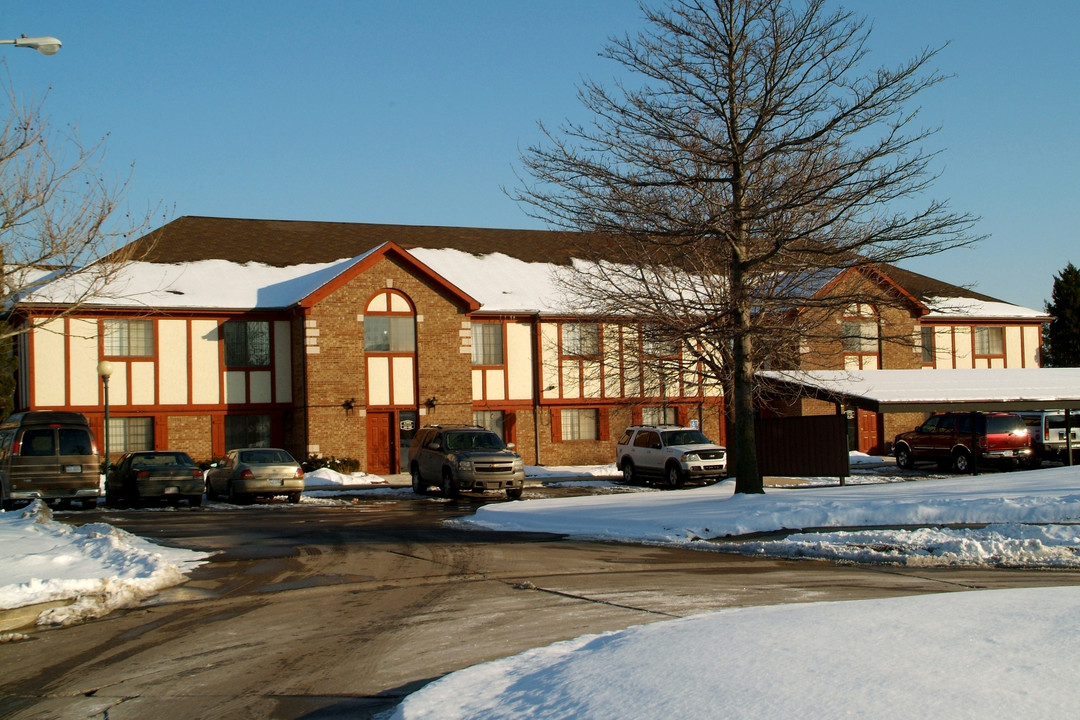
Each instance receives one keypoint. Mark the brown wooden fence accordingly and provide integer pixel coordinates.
(811, 446)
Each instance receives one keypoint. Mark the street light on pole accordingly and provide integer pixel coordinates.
(44, 44)
(105, 370)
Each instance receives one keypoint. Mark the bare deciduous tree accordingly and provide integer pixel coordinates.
(60, 217)
(746, 159)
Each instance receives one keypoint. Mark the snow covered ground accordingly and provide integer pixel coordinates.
(983, 654)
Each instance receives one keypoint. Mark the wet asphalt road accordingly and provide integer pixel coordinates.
(340, 610)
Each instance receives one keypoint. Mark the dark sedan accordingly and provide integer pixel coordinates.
(154, 475)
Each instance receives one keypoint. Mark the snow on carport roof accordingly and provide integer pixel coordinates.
(938, 390)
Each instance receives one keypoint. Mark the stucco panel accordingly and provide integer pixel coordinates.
(173, 361)
(82, 365)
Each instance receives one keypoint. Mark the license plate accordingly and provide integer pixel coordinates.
(1007, 453)
(73, 468)
(172, 490)
(275, 481)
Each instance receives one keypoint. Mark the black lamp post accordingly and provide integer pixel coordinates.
(105, 370)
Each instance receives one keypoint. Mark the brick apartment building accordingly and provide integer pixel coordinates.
(340, 339)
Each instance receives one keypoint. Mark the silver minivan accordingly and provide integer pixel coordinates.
(48, 455)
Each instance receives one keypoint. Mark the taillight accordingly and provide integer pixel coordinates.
(984, 443)
(196, 473)
(142, 474)
(247, 475)
(16, 446)
(1046, 433)
(299, 473)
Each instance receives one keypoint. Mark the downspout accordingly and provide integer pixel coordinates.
(537, 380)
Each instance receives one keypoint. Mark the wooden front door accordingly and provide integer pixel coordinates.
(869, 437)
(380, 451)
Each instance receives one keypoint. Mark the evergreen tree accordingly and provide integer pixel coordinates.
(1062, 347)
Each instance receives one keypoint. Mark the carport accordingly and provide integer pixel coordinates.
(892, 391)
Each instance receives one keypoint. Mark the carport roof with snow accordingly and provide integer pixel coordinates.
(888, 391)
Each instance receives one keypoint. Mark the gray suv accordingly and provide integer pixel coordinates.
(671, 453)
(464, 457)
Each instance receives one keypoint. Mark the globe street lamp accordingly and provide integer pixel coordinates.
(44, 44)
(105, 369)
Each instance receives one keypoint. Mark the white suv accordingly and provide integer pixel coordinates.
(672, 453)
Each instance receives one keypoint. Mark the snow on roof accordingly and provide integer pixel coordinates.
(950, 307)
(499, 282)
(211, 284)
(925, 390)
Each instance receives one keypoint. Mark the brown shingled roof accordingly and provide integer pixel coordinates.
(924, 287)
(291, 242)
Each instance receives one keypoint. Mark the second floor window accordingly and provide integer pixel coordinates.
(581, 339)
(487, 344)
(928, 344)
(389, 333)
(989, 341)
(247, 343)
(130, 338)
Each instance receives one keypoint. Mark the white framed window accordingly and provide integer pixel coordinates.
(580, 424)
(487, 343)
(659, 416)
(989, 340)
(581, 339)
(129, 338)
(129, 434)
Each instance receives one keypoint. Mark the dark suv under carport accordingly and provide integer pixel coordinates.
(957, 439)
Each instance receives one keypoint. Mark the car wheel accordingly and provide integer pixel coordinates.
(236, 498)
(418, 485)
(904, 460)
(294, 498)
(1032, 462)
(194, 500)
(673, 477)
(961, 461)
(449, 486)
(628, 475)
(513, 493)
(89, 503)
(5, 502)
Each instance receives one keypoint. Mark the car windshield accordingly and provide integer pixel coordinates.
(685, 437)
(267, 457)
(474, 441)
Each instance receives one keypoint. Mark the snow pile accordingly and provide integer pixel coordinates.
(100, 567)
(689, 517)
(325, 478)
(990, 654)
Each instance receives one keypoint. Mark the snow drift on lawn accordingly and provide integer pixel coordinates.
(101, 567)
(988, 654)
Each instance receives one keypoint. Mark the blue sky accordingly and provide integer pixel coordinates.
(415, 112)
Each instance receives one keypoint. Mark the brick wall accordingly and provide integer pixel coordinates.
(191, 433)
(336, 370)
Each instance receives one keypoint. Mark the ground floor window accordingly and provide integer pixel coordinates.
(130, 434)
(494, 420)
(247, 431)
(659, 416)
(580, 424)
